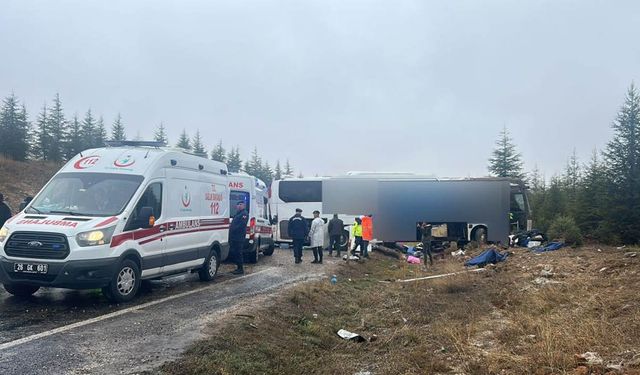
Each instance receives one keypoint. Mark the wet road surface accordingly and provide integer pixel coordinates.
(79, 332)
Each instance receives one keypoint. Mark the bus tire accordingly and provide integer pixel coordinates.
(21, 290)
(125, 282)
(480, 235)
(344, 240)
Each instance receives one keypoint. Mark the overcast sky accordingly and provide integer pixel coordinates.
(421, 86)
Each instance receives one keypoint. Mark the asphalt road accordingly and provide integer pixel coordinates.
(78, 332)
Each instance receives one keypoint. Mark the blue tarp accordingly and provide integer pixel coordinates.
(487, 256)
(551, 246)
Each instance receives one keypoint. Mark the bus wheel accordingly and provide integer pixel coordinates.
(125, 283)
(480, 236)
(21, 290)
(344, 240)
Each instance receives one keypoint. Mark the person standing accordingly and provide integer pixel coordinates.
(427, 236)
(298, 231)
(367, 234)
(5, 211)
(316, 237)
(336, 227)
(237, 234)
(356, 229)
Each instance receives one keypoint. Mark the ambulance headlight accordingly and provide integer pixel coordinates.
(4, 232)
(95, 237)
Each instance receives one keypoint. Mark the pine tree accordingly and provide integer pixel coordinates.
(14, 130)
(277, 175)
(101, 133)
(234, 163)
(74, 139)
(288, 171)
(117, 130)
(57, 129)
(161, 135)
(42, 139)
(30, 134)
(505, 160)
(300, 175)
(622, 158)
(198, 147)
(592, 201)
(218, 153)
(183, 141)
(537, 180)
(254, 165)
(88, 131)
(266, 173)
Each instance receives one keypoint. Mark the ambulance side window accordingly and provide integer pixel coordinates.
(150, 199)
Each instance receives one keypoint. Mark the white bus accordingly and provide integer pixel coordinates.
(306, 194)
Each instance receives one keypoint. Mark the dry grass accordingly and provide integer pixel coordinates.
(495, 322)
(20, 179)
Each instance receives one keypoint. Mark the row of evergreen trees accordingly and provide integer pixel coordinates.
(601, 197)
(53, 137)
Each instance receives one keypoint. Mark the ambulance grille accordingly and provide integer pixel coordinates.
(37, 245)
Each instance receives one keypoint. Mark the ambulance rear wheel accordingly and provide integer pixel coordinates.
(252, 256)
(270, 249)
(210, 269)
(125, 283)
(21, 290)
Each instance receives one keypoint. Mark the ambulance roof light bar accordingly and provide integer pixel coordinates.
(135, 143)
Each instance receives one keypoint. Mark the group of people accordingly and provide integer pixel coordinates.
(299, 231)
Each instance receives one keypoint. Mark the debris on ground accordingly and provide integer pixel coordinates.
(631, 254)
(488, 256)
(350, 336)
(413, 260)
(589, 359)
(551, 246)
(459, 253)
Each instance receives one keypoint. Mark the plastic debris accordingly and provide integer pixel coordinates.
(350, 336)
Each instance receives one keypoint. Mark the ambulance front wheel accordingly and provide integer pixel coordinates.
(21, 290)
(125, 283)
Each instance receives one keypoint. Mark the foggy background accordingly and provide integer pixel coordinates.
(422, 86)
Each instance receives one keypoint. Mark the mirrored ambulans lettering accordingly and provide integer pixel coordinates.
(60, 223)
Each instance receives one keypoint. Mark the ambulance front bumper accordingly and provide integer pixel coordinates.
(74, 274)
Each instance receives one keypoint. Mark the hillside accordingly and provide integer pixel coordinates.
(21, 179)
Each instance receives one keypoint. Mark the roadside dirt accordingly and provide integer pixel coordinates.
(533, 314)
(21, 179)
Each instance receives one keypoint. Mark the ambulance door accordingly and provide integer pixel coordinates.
(148, 225)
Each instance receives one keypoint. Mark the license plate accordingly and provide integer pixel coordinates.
(30, 268)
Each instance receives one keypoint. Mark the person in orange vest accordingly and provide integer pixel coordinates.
(367, 233)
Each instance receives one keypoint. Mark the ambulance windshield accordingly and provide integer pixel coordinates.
(86, 194)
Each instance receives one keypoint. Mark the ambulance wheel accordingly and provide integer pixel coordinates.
(125, 283)
(252, 257)
(21, 290)
(270, 249)
(210, 269)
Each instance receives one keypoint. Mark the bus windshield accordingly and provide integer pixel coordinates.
(300, 191)
(86, 194)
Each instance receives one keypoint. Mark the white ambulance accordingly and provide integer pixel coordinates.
(254, 193)
(114, 216)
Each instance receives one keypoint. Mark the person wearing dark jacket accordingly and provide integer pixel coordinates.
(5, 211)
(427, 237)
(298, 231)
(336, 227)
(237, 233)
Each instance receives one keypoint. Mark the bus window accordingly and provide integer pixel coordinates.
(300, 191)
(237, 196)
(517, 202)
